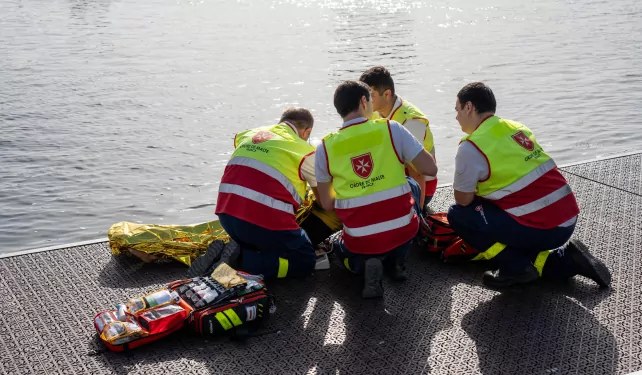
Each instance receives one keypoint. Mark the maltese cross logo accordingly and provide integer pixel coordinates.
(262, 136)
(362, 165)
(523, 140)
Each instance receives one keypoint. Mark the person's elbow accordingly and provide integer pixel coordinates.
(431, 170)
(325, 198)
(464, 202)
(326, 203)
(463, 198)
(327, 206)
(425, 164)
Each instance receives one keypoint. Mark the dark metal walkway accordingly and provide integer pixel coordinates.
(441, 321)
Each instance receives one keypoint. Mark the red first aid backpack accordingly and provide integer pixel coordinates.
(201, 303)
(437, 236)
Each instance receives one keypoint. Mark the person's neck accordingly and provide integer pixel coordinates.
(476, 121)
(354, 114)
(385, 112)
(483, 117)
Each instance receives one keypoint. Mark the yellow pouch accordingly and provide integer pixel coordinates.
(161, 297)
(118, 333)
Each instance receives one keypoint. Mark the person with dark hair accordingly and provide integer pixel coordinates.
(263, 185)
(388, 105)
(360, 175)
(512, 203)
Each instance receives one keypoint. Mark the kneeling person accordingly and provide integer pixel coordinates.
(388, 105)
(263, 185)
(360, 174)
(512, 202)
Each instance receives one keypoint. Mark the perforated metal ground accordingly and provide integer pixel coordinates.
(441, 321)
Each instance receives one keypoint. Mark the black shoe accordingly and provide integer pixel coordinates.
(202, 264)
(588, 265)
(372, 276)
(497, 279)
(231, 253)
(398, 273)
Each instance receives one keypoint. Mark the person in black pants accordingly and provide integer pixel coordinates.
(512, 203)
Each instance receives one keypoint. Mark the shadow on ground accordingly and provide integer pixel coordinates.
(125, 272)
(322, 326)
(547, 329)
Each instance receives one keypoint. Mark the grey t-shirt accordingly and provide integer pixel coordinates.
(470, 167)
(406, 146)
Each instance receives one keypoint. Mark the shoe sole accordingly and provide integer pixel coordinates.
(390, 270)
(490, 282)
(398, 276)
(230, 253)
(589, 265)
(373, 274)
(201, 264)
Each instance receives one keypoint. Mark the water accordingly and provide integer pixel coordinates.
(125, 110)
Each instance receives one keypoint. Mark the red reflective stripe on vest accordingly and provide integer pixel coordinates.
(549, 216)
(251, 211)
(255, 213)
(546, 184)
(375, 213)
(258, 181)
(384, 241)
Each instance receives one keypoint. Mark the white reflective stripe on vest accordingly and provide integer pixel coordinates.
(257, 197)
(540, 203)
(262, 167)
(379, 196)
(522, 182)
(380, 227)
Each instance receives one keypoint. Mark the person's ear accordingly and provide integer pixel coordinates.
(387, 94)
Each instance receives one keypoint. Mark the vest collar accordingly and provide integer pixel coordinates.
(483, 121)
(398, 104)
(354, 121)
(291, 127)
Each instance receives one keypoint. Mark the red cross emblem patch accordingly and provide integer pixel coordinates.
(362, 165)
(523, 140)
(262, 136)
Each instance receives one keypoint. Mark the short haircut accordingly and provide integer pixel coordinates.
(299, 117)
(347, 96)
(379, 78)
(480, 95)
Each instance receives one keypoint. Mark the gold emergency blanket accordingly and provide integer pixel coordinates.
(309, 207)
(152, 242)
(184, 243)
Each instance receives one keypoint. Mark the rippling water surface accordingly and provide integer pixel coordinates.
(125, 110)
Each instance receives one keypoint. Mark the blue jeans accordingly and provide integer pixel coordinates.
(482, 224)
(356, 262)
(261, 248)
